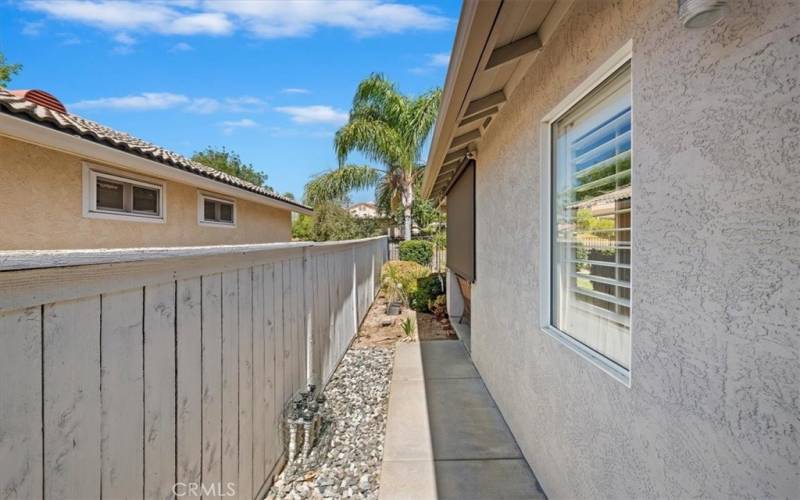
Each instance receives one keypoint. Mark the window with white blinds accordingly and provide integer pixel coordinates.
(591, 220)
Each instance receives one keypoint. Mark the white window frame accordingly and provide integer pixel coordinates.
(92, 172)
(202, 197)
(606, 70)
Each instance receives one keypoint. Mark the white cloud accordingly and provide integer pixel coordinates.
(230, 126)
(140, 102)
(209, 23)
(266, 19)
(69, 39)
(245, 104)
(126, 43)
(314, 114)
(127, 15)
(167, 100)
(181, 47)
(204, 105)
(124, 39)
(33, 28)
(295, 90)
(303, 17)
(437, 60)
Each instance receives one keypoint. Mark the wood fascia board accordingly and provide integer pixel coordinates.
(46, 137)
(514, 50)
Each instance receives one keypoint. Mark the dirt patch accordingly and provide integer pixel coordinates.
(431, 328)
(381, 329)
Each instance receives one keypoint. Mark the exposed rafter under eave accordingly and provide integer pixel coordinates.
(514, 50)
(485, 102)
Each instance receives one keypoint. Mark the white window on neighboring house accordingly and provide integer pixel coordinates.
(111, 194)
(590, 221)
(216, 211)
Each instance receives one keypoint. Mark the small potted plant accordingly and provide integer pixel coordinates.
(392, 286)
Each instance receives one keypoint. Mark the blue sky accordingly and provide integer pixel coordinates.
(270, 80)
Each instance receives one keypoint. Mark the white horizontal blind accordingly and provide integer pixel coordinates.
(591, 220)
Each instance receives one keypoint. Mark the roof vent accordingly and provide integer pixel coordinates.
(41, 98)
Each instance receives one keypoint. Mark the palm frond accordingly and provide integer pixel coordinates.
(334, 185)
(419, 119)
(381, 96)
(374, 138)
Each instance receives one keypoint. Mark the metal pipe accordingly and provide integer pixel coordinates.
(701, 13)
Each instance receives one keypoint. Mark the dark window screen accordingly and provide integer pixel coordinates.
(461, 224)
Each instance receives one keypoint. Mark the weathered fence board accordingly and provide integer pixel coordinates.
(122, 393)
(21, 441)
(212, 379)
(230, 378)
(123, 378)
(189, 383)
(72, 462)
(245, 444)
(159, 392)
(260, 275)
(271, 409)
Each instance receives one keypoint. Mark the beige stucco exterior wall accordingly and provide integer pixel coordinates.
(41, 207)
(712, 411)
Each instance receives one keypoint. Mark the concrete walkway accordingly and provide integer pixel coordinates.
(475, 455)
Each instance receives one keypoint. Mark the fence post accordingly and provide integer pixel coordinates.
(355, 294)
(308, 307)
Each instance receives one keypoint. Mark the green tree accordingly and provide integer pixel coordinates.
(7, 70)
(303, 228)
(230, 163)
(423, 210)
(331, 222)
(389, 128)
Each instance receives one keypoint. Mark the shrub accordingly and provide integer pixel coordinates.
(408, 327)
(419, 251)
(438, 306)
(428, 288)
(399, 279)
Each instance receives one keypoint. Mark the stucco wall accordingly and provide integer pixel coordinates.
(713, 407)
(41, 207)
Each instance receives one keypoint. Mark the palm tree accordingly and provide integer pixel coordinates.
(388, 128)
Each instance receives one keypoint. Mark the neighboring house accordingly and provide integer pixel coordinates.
(623, 196)
(68, 182)
(364, 210)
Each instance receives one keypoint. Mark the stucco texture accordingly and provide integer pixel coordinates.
(713, 406)
(41, 192)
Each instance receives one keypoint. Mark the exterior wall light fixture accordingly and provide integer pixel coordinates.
(701, 13)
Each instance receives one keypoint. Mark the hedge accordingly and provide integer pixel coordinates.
(419, 251)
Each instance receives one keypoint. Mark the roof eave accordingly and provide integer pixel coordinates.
(496, 44)
(457, 81)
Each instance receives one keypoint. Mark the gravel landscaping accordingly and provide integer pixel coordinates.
(346, 461)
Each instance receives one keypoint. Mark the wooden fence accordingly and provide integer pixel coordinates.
(126, 372)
